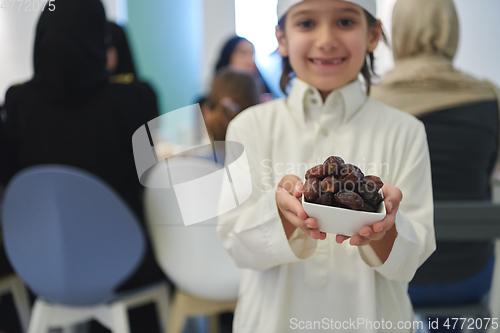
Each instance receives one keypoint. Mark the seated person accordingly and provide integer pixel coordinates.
(73, 112)
(118, 54)
(5, 169)
(461, 117)
(231, 92)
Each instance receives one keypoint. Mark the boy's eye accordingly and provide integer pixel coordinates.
(345, 22)
(306, 24)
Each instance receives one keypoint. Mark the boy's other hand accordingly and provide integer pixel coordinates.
(290, 208)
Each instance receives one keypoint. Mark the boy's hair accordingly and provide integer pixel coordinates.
(240, 87)
(367, 70)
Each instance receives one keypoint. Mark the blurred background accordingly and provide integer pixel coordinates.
(176, 43)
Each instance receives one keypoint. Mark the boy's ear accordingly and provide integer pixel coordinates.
(282, 46)
(374, 35)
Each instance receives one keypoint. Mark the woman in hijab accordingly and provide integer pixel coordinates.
(120, 63)
(461, 116)
(8, 320)
(72, 112)
(119, 55)
(238, 55)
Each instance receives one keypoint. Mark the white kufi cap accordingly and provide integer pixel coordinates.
(369, 5)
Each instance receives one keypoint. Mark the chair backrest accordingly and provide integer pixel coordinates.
(192, 256)
(68, 234)
(467, 221)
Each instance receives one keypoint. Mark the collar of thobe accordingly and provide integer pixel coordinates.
(341, 104)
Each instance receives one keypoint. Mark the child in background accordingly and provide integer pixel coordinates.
(461, 115)
(231, 92)
(295, 278)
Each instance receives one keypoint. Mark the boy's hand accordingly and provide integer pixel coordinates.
(392, 197)
(290, 209)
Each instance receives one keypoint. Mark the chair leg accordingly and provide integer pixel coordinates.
(494, 302)
(47, 315)
(214, 324)
(177, 317)
(69, 329)
(83, 327)
(104, 315)
(39, 318)
(158, 295)
(120, 319)
(162, 307)
(21, 302)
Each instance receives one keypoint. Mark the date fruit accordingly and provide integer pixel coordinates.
(352, 180)
(330, 185)
(317, 172)
(327, 199)
(374, 182)
(312, 189)
(367, 208)
(333, 165)
(349, 199)
(369, 195)
(347, 169)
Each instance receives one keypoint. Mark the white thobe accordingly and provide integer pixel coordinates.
(304, 285)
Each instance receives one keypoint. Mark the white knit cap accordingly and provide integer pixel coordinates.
(369, 5)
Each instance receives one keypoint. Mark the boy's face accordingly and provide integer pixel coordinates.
(326, 42)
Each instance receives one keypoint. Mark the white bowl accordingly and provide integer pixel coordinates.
(342, 221)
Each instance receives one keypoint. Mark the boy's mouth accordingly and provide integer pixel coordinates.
(325, 61)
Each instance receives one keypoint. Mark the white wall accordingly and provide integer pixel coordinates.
(383, 54)
(479, 46)
(219, 25)
(17, 36)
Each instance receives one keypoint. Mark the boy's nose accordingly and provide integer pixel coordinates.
(326, 39)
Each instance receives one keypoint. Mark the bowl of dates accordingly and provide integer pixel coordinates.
(341, 198)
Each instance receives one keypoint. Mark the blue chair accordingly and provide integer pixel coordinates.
(72, 239)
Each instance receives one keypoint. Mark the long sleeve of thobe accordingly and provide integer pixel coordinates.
(414, 221)
(253, 233)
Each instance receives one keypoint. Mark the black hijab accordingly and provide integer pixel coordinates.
(118, 39)
(227, 51)
(225, 59)
(70, 51)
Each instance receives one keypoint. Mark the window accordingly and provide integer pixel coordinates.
(256, 21)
